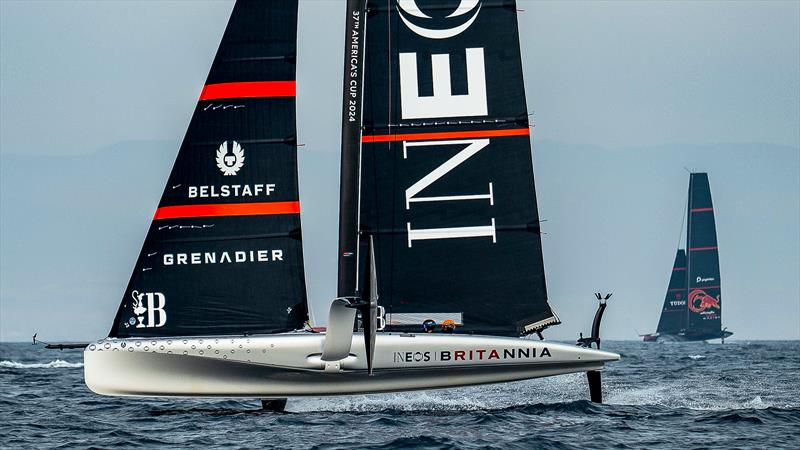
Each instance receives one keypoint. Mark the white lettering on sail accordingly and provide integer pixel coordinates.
(199, 258)
(232, 190)
(155, 307)
(151, 303)
(443, 103)
(473, 146)
(451, 233)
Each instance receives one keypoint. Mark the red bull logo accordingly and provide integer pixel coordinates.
(700, 301)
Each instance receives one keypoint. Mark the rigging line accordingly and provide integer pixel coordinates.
(294, 234)
(683, 221)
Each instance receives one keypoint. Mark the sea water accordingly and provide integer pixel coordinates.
(694, 395)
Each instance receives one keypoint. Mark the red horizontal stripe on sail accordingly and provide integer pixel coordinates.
(678, 268)
(702, 209)
(700, 249)
(704, 287)
(247, 89)
(445, 135)
(676, 289)
(227, 209)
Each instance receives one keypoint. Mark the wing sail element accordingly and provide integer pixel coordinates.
(446, 187)
(223, 255)
(705, 296)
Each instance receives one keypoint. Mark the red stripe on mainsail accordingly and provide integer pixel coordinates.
(704, 287)
(445, 135)
(246, 89)
(676, 289)
(702, 209)
(678, 268)
(700, 249)
(227, 209)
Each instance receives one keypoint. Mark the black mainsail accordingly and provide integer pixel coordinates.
(446, 175)
(223, 255)
(704, 306)
(693, 305)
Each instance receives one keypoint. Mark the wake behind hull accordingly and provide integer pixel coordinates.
(663, 337)
(270, 371)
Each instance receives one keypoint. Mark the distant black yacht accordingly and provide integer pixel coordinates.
(693, 305)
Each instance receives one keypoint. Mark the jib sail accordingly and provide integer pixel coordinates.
(447, 186)
(223, 254)
(673, 316)
(704, 302)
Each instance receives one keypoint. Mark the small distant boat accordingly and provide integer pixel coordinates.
(439, 244)
(693, 305)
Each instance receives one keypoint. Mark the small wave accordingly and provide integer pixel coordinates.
(57, 364)
(696, 357)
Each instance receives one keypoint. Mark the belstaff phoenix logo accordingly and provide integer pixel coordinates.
(230, 163)
(149, 306)
(457, 21)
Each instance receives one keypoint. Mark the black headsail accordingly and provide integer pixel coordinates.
(704, 302)
(223, 255)
(673, 315)
(447, 186)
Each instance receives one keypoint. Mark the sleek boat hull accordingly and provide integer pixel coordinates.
(289, 365)
(665, 337)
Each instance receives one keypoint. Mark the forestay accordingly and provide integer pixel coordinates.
(223, 254)
(447, 185)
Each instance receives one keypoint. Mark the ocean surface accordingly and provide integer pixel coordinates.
(737, 395)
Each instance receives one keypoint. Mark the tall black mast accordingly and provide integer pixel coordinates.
(351, 147)
(688, 249)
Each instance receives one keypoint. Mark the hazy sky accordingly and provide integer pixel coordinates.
(96, 96)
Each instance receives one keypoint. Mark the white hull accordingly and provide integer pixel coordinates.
(290, 364)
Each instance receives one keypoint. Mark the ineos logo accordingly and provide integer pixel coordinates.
(455, 22)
